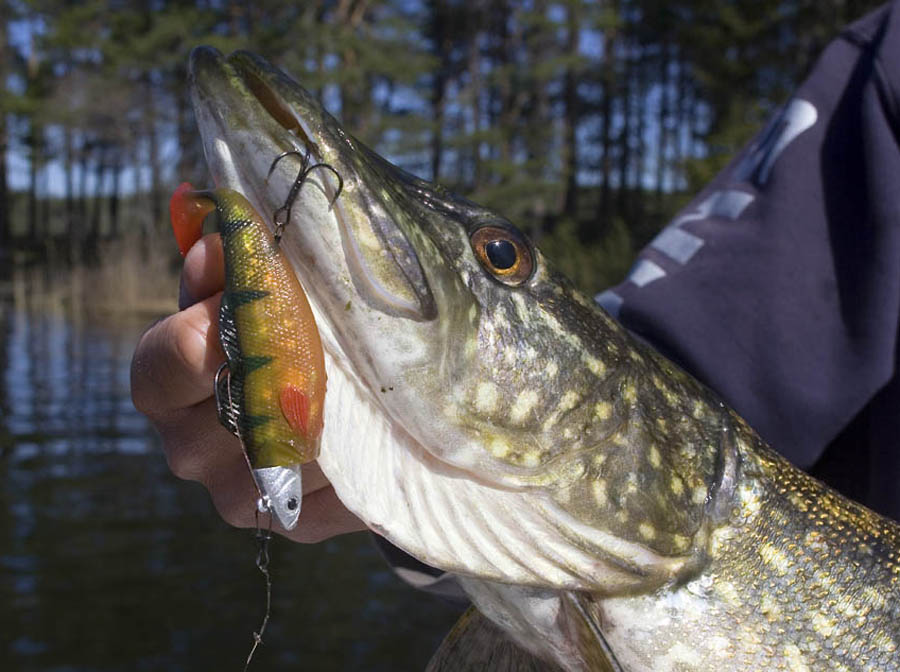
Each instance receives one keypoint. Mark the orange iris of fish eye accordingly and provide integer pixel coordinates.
(504, 253)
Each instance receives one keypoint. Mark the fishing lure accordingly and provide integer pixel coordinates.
(271, 388)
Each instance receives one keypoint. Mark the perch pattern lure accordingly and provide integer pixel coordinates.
(271, 389)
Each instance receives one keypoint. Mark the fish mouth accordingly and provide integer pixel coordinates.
(254, 108)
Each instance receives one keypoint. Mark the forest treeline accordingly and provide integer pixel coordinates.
(585, 122)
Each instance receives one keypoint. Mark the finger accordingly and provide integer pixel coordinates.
(323, 516)
(313, 478)
(203, 273)
(196, 445)
(198, 448)
(176, 360)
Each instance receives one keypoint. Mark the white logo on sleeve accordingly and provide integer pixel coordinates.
(679, 245)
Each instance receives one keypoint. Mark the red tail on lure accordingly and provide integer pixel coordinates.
(187, 214)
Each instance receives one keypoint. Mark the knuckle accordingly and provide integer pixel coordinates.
(184, 463)
(188, 345)
(231, 515)
(142, 372)
(233, 510)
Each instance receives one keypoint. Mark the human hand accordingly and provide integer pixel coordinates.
(172, 384)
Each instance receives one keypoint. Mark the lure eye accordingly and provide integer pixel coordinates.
(504, 253)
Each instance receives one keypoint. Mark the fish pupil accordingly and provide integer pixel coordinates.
(501, 253)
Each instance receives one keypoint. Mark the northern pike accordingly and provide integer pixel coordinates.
(600, 506)
(273, 392)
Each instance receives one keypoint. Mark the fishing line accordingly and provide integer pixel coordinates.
(228, 412)
(263, 536)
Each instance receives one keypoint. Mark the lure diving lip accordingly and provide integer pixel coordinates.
(270, 392)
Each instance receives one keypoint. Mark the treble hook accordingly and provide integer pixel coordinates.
(283, 214)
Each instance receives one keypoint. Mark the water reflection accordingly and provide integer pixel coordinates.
(109, 563)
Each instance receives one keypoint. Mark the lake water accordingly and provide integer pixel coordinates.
(107, 562)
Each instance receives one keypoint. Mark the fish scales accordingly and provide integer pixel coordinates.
(278, 344)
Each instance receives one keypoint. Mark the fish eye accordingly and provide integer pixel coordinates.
(504, 253)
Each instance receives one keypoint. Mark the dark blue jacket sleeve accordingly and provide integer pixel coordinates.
(779, 285)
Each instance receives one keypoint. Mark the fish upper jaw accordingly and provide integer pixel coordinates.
(392, 320)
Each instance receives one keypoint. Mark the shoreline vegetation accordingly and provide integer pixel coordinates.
(585, 123)
(123, 278)
(117, 269)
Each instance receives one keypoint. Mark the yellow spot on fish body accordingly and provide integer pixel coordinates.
(486, 397)
(749, 499)
(823, 624)
(524, 405)
(531, 459)
(647, 531)
(499, 447)
(794, 658)
(596, 366)
(874, 597)
(568, 401)
(884, 642)
(769, 607)
(676, 485)
(603, 410)
(698, 496)
(681, 542)
(629, 393)
(728, 592)
(599, 489)
(774, 557)
(654, 457)
(552, 368)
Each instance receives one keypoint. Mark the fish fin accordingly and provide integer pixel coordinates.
(295, 407)
(477, 644)
(187, 211)
(581, 617)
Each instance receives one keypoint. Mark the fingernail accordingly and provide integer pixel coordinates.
(185, 299)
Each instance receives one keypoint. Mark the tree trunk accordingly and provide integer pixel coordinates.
(474, 67)
(68, 169)
(99, 172)
(665, 84)
(33, 164)
(606, 139)
(442, 49)
(640, 157)
(624, 201)
(156, 197)
(5, 223)
(115, 169)
(571, 117)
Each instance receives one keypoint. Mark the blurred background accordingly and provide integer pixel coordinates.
(587, 123)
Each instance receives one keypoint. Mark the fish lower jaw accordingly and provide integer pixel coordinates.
(455, 522)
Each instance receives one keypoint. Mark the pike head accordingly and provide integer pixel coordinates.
(481, 413)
